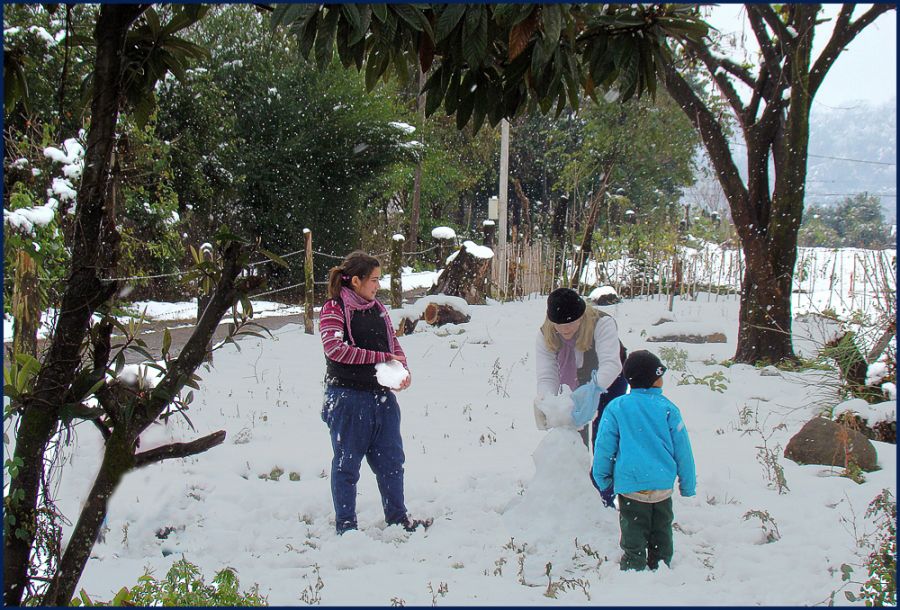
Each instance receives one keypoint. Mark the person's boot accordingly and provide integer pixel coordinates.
(411, 525)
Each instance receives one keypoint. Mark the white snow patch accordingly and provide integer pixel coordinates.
(404, 127)
(879, 412)
(390, 374)
(443, 233)
(477, 251)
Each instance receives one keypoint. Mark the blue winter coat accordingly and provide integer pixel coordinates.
(642, 444)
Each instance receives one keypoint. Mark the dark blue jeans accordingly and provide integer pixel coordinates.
(364, 424)
(618, 388)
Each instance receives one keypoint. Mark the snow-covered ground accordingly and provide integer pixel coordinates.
(513, 508)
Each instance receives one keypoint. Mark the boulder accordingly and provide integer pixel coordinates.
(822, 441)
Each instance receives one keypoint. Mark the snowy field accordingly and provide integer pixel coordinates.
(514, 511)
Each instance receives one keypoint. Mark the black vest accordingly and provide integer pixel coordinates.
(590, 360)
(369, 332)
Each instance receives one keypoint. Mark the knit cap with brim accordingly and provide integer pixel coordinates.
(564, 305)
(642, 369)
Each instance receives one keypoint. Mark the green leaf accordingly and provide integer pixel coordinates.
(380, 11)
(274, 258)
(325, 38)
(365, 18)
(477, 119)
(448, 20)
(414, 17)
(351, 15)
(451, 99)
(466, 102)
(372, 73)
(246, 306)
(124, 595)
(846, 571)
(167, 341)
(850, 596)
(552, 20)
(140, 350)
(288, 14)
(508, 15)
(306, 34)
(434, 90)
(474, 39)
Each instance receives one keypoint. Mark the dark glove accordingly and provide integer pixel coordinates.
(608, 495)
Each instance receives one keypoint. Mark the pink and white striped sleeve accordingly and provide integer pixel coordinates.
(331, 330)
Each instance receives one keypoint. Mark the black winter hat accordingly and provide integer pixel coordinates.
(642, 369)
(564, 305)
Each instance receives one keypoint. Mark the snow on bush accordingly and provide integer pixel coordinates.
(443, 233)
(873, 414)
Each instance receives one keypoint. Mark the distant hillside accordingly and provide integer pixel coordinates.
(857, 131)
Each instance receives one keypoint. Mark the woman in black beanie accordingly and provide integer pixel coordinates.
(574, 342)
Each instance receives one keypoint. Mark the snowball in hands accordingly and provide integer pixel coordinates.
(558, 409)
(391, 374)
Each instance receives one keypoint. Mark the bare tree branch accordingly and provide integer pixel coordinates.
(713, 64)
(785, 37)
(739, 71)
(844, 33)
(771, 57)
(714, 139)
(179, 450)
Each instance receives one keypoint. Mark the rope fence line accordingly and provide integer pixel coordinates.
(249, 266)
(282, 256)
(339, 258)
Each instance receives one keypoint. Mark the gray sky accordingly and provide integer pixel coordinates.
(865, 70)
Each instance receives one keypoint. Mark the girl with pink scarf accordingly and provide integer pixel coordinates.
(363, 417)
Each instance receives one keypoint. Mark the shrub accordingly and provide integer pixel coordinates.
(881, 566)
(183, 585)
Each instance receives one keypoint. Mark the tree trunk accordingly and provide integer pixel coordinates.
(526, 210)
(438, 315)
(464, 277)
(93, 253)
(586, 239)
(764, 331)
(119, 453)
(118, 458)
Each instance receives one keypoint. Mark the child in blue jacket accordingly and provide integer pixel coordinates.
(642, 445)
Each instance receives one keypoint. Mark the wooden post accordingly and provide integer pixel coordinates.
(395, 264)
(26, 305)
(490, 232)
(206, 253)
(308, 322)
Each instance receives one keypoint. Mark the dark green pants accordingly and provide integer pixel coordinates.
(646, 533)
